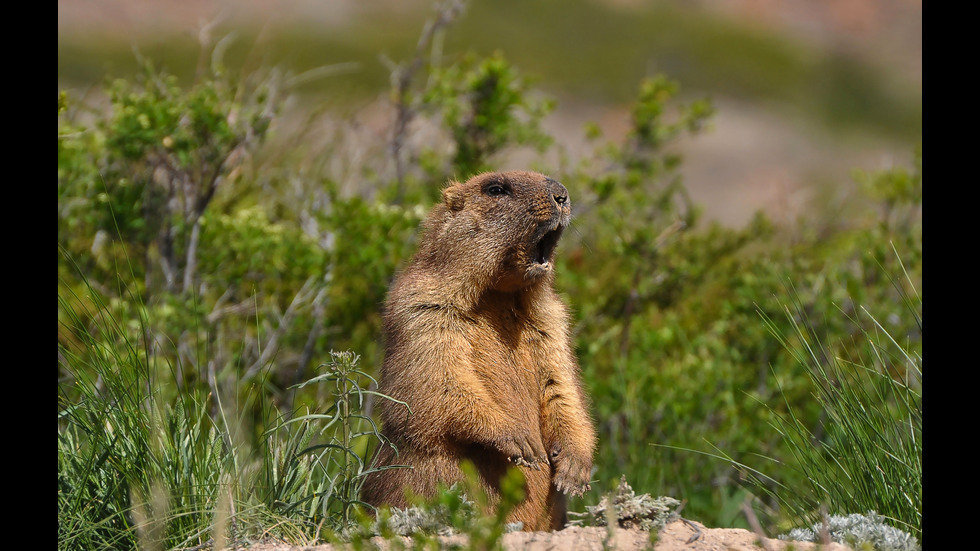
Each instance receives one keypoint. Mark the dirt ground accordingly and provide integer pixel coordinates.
(677, 535)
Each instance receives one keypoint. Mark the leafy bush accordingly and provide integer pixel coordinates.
(137, 468)
(485, 105)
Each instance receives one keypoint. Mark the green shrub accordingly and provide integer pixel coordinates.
(866, 454)
(485, 105)
(129, 463)
(139, 468)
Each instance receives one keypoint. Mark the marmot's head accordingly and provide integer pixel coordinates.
(501, 227)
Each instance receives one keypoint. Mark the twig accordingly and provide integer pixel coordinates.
(697, 531)
(754, 523)
(208, 544)
(319, 313)
(205, 35)
(824, 525)
(402, 75)
(272, 347)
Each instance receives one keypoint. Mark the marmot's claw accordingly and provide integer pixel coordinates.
(575, 490)
(520, 461)
(528, 453)
(572, 476)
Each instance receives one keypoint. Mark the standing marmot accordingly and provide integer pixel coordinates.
(477, 344)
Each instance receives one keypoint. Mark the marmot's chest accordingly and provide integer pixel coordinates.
(507, 348)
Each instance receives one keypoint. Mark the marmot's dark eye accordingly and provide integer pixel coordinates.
(496, 190)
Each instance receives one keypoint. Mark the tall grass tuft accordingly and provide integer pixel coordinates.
(866, 455)
(318, 461)
(142, 466)
(132, 470)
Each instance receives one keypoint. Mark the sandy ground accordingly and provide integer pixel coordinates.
(676, 536)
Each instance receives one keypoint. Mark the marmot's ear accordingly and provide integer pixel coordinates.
(453, 197)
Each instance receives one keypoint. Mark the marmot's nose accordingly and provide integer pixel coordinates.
(557, 191)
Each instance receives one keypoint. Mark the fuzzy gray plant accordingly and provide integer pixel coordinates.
(430, 519)
(405, 522)
(630, 510)
(859, 532)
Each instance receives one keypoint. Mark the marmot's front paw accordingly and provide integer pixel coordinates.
(571, 473)
(523, 451)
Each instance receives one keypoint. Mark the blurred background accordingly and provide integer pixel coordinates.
(805, 91)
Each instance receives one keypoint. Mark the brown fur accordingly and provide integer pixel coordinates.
(478, 346)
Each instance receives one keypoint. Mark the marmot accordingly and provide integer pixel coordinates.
(478, 346)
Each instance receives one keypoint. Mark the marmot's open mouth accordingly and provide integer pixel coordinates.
(546, 246)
